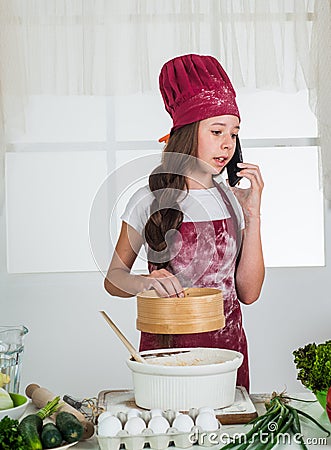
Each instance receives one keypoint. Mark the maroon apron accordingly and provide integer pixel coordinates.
(204, 255)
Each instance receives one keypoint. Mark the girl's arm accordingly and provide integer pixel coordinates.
(250, 267)
(120, 282)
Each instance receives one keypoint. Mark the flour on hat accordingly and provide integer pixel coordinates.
(196, 87)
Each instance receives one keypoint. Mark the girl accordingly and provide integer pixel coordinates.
(197, 232)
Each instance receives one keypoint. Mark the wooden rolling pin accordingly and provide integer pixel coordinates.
(40, 396)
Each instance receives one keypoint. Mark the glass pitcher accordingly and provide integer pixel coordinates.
(11, 354)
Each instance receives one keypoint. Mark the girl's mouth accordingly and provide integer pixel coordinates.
(220, 161)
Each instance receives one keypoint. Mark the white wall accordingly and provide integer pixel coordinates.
(70, 348)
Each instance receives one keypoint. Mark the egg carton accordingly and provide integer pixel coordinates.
(160, 441)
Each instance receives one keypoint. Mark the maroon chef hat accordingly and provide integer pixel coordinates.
(196, 87)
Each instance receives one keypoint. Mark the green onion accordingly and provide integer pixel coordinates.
(280, 418)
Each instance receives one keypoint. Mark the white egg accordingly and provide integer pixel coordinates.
(122, 416)
(133, 413)
(109, 426)
(158, 424)
(183, 422)
(156, 412)
(135, 425)
(193, 412)
(206, 409)
(145, 415)
(104, 415)
(170, 415)
(207, 421)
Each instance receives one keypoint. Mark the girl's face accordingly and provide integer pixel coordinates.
(217, 142)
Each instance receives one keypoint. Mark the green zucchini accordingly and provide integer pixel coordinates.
(69, 426)
(51, 436)
(29, 428)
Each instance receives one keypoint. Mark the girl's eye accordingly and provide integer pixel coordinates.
(219, 132)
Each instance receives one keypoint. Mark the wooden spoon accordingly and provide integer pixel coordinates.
(136, 355)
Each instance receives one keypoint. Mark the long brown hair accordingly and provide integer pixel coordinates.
(165, 213)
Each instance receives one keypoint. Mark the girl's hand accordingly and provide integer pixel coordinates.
(164, 283)
(250, 199)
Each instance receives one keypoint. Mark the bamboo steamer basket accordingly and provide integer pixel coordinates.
(201, 310)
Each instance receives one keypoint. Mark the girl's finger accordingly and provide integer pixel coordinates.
(174, 287)
(252, 175)
(168, 286)
(168, 282)
(159, 288)
(251, 168)
(174, 280)
(245, 165)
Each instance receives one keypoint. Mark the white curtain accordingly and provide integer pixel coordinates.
(320, 84)
(106, 47)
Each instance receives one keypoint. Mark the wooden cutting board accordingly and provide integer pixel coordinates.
(242, 410)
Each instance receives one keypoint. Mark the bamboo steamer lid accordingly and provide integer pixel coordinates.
(201, 310)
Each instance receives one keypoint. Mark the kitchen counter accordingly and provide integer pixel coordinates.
(314, 437)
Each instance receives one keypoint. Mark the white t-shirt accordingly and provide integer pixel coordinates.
(199, 205)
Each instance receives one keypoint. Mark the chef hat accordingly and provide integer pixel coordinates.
(194, 88)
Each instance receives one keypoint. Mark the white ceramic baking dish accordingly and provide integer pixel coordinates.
(206, 377)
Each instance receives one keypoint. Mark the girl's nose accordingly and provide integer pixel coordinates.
(227, 141)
